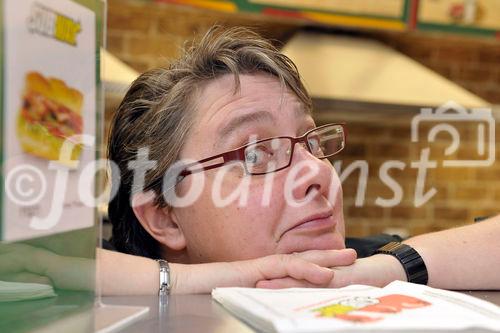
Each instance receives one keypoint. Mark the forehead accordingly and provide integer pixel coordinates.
(220, 110)
(219, 102)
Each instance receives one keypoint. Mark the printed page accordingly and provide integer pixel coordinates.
(398, 306)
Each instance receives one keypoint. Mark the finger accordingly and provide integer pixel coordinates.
(329, 258)
(280, 266)
(19, 257)
(26, 277)
(11, 247)
(11, 263)
(285, 283)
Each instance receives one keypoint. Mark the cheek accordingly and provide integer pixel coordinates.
(250, 202)
(335, 196)
(231, 220)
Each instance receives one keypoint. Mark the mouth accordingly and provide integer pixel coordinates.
(315, 222)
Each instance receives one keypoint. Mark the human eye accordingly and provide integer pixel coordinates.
(258, 154)
(314, 143)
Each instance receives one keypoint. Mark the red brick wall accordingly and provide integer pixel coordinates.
(147, 35)
(463, 193)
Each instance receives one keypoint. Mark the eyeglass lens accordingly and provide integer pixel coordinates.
(274, 154)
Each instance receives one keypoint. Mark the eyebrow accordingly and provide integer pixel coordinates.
(252, 117)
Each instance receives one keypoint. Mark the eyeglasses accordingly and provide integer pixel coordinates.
(274, 154)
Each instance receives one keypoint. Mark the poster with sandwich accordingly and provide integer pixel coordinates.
(49, 117)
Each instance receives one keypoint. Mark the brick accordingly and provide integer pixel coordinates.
(489, 54)
(421, 53)
(442, 192)
(490, 174)
(379, 228)
(350, 188)
(497, 76)
(466, 130)
(497, 195)
(115, 43)
(401, 134)
(366, 211)
(139, 65)
(456, 214)
(424, 229)
(365, 130)
(378, 190)
(390, 151)
(443, 68)
(456, 53)
(471, 193)
(485, 212)
(453, 174)
(189, 22)
(448, 224)
(154, 46)
(354, 175)
(355, 150)
(408, 212)
(474, 87)
(128, 20)
(491, 95)
(474, 74)
(357, 229)
(466, 152)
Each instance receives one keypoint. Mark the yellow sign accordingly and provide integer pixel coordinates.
(47, 22)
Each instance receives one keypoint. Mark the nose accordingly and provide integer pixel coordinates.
(312, 176)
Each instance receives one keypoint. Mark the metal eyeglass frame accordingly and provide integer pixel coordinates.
(238, 154)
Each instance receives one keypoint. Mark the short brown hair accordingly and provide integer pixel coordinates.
(157, 111)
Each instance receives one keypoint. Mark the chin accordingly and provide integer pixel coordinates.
(329, 241)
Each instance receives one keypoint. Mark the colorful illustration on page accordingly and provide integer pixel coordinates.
(361, 309)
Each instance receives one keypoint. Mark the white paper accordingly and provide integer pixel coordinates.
(20, 291)
(399, 306)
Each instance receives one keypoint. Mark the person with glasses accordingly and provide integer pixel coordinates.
(221, 177)
(220, 161)
(201, 155)
(238, 188)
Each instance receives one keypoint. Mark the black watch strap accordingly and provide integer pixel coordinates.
(413, 264)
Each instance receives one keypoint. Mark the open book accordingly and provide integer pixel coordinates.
(398, 306)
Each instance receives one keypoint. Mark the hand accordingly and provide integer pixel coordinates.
(378, 270)
(308, 268)
(16, 259)
(26, 263)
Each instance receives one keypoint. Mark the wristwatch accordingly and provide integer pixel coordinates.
(413, 264)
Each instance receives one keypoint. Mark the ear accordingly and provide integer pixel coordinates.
(160, 223)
